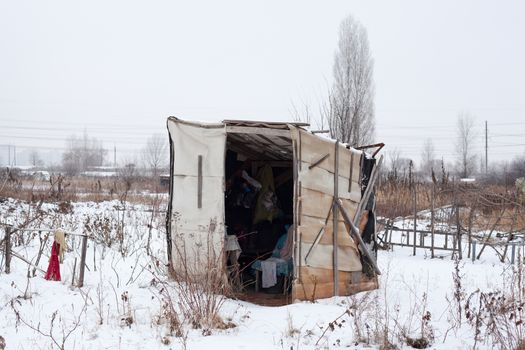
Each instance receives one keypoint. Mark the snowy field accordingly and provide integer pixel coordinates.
(122, 303)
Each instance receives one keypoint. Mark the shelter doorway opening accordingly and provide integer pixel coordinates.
(259, 192)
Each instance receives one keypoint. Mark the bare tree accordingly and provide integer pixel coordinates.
(155, 153)
(82, 153)
(427, 157)
(466, 135)
(394, 158)
(350, 108)
(301, 114)
(517, 167)
(34, 158)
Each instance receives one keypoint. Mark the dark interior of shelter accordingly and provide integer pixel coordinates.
(259, 216)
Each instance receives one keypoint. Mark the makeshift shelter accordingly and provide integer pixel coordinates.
(237, 187)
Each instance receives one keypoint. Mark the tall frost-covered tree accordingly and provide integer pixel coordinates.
(350, 109)
(466, 136)
(82, 153)
(155, 154)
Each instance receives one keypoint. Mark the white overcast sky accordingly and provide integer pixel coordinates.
(118, 68)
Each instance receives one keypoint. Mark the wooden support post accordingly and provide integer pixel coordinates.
(432, 205)
(470, 216)
(297, 243)
(350, 176)
(82, 261)
(257, 280)
(408, 235)
(7, 249)
(335, 216)
(415, 218)
(74, 270)
(389, 224)
(513, 253)
(199, 183)
(454, 247)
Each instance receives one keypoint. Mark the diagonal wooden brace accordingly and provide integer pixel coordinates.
(356, 236)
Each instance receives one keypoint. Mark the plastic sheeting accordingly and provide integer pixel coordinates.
(197, 234)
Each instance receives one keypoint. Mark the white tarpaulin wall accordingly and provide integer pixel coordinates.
(197, 207)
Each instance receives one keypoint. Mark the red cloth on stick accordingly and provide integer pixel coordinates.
(53, 270)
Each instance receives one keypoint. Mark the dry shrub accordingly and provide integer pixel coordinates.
(202, 295)
(102, 228)
(200, 285)
(498, 316)
(78, 188)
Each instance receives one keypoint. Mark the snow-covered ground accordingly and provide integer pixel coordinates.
(121, 303)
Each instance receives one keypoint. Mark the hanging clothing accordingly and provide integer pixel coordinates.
(266, 207)
(53, 270)
(286, 251)
(269, 273)
(60, 238)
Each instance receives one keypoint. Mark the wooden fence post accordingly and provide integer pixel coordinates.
(432, 204)
(7, 249)
(458, 239)
(74, 270)
(415, 218)
(82, 261)
(390, 222)
(470, 217)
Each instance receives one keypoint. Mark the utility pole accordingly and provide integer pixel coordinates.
(114, 156)
(14, 153)
(486, 148)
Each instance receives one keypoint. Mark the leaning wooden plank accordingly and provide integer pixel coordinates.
(369, 189)
(356, 235)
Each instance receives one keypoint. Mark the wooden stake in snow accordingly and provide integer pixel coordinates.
(8, 249)
(432, 220)
(82, 261)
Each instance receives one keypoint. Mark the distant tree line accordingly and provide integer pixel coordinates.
(85, 152)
